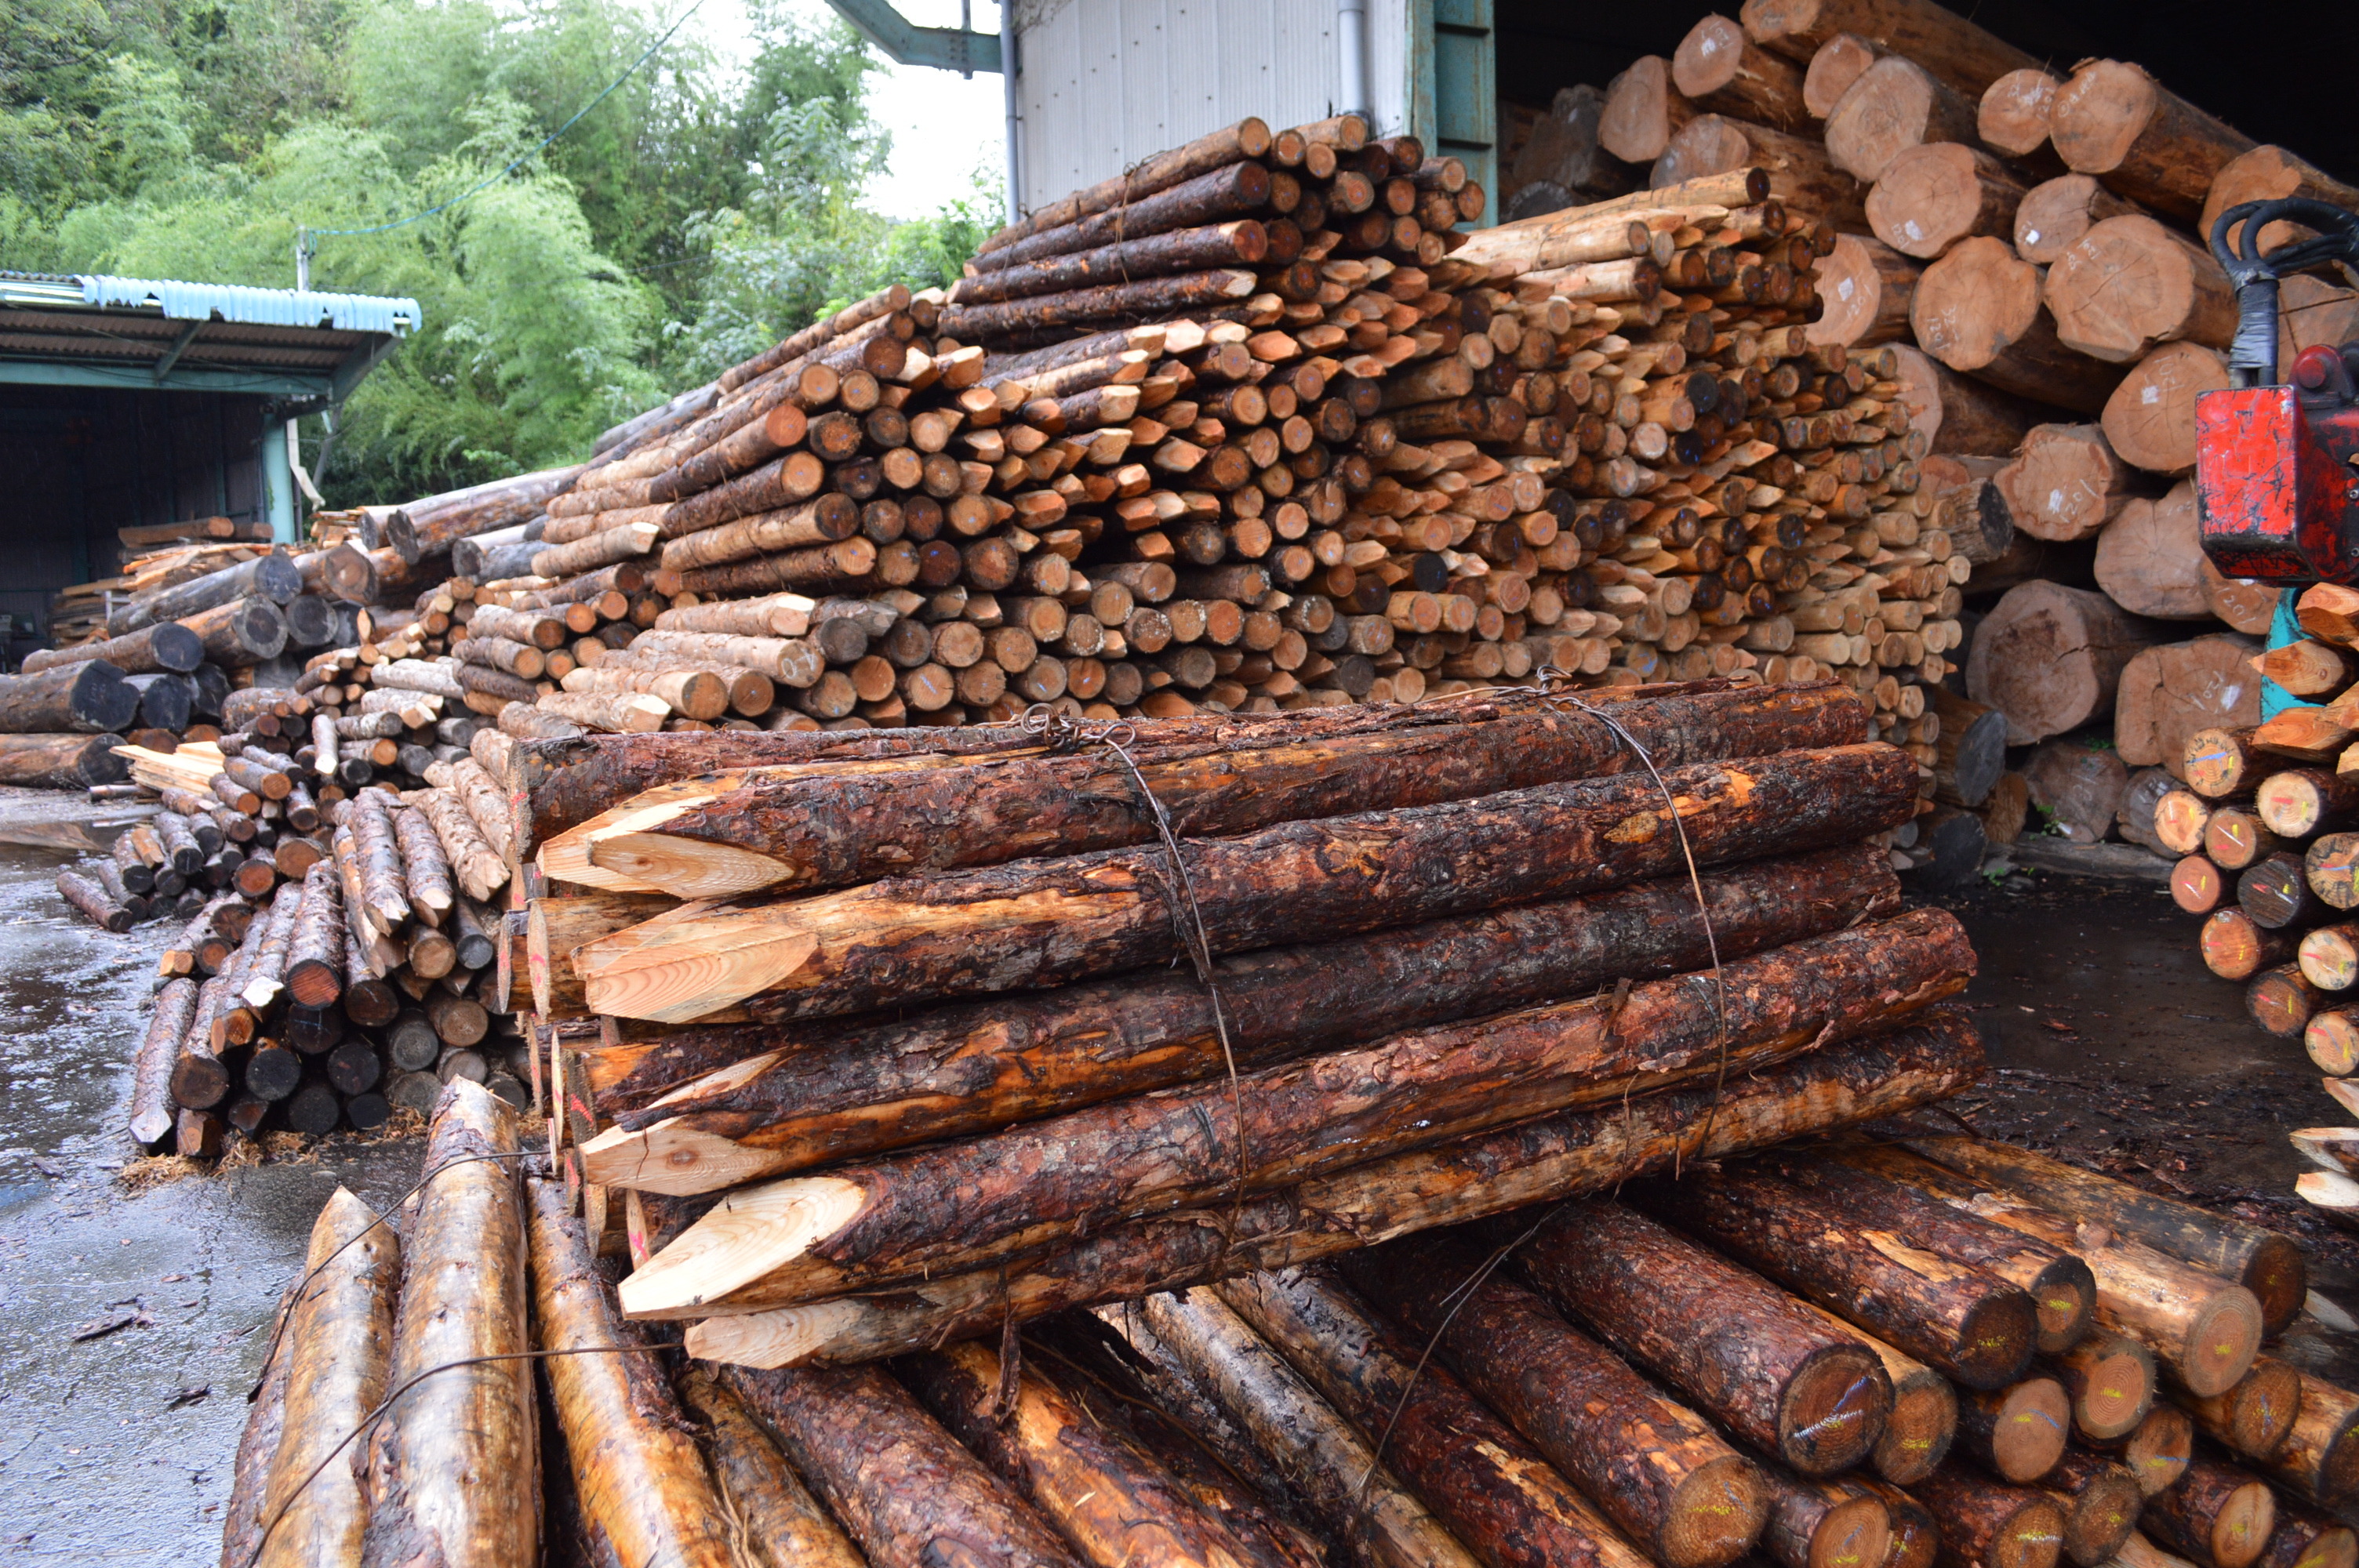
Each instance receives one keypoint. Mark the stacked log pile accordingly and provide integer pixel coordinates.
(1737, 1361)
(1991, 211)
(344, 956)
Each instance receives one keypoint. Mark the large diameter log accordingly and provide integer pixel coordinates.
(274, 577)
(800, 1097)
(1923, 1425)
(641, 1483)
(2055, 214)
(1977, 310)
(1930, 197)
(2130, 284)
(1193, 1336)
(240, 633)
(2150, 416)
(341, 1334)
(1643, 111)
(1963, 417)
(2146, 564)
(2170, 694)
(1800, 174)
(2269, 1264)
(1497, 1493)
(1717, 66)
(1554, 1157)
(2115, 120)
(808, 1237)
(779, 1515)
(1895, 105)
(1940, 39)
(2051, 658)
(2205, 1329)
(62, 761)
(2065, 483)
(2012, 114)
(1113, 1503)
(422, 527)
(2267, 174)
(1864, 290)
(1731, 1341)
(811, 829)
(1656, 1468)
(457, 1478)
(1971, 1324)
(2319, 1457)
(91, 699)
(2062, 1289)
(829, 953)
(168, 645)
(900, 1486)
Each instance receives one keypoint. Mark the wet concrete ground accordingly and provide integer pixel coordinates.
(2110, 1042)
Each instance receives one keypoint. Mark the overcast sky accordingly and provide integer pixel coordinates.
(943, 127)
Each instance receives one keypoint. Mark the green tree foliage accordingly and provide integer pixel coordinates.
(691, 218)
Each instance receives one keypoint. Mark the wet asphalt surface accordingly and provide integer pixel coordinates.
(2109, 1040)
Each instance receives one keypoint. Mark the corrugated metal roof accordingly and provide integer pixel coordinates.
(261, 306)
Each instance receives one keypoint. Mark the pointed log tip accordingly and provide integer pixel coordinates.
(788, 1336)
(674, 1160)
(686, 867)
(750, 1234)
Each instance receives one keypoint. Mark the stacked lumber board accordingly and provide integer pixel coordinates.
(2028, 241)
(343, 961)
(1737, 1361)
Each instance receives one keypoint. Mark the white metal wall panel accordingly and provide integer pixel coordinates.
(1104, 83)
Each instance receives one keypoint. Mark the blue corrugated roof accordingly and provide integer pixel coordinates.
(259, 307)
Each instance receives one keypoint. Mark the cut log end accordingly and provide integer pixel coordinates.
(1834, 1409)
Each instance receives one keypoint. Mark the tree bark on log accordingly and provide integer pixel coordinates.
(1977, 310)
(1554, 1157)
(1238, 242)
(60, 762)
(1660, 1470)
(1496, 1492)
(1248, 139)
(2051, 658)
(1825, 1524)
(2115, 120)
(2205, 1329)
(1969, 1323)
(2255, 1417)
(2319, 1457)
(1923, 1425)
(456, 1478)
(91, 699)
(168, 645)
(342, 1336)
(834, 828)
(2216, 1515)
(274, 577)
(828, 954)
(1896, 104)
(809, 1237)
(257, 1445)
(1325, 1464)
(1986, 1525)
(1728, 1339)
(151, 1087)
(422, 527)
(2100, 1500)
(1964, 418)
(798, 1098)
(2266, 1263)
(783, 1522)
(1112, 1503)
(1944, 42)
(643, 1491)
(2129, 285)
(900, 1486)
(2168, 695)
(2063, 1290)
(1233, 191)
(1719, 68)
(2308, 1538)
(1146, 299)
(1930, 197)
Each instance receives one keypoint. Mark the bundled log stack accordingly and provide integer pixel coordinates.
(345, 963)
(2056, 1365)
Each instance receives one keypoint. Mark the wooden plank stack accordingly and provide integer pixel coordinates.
(1737, 1361)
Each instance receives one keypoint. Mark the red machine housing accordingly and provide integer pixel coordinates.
(2279, 495)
